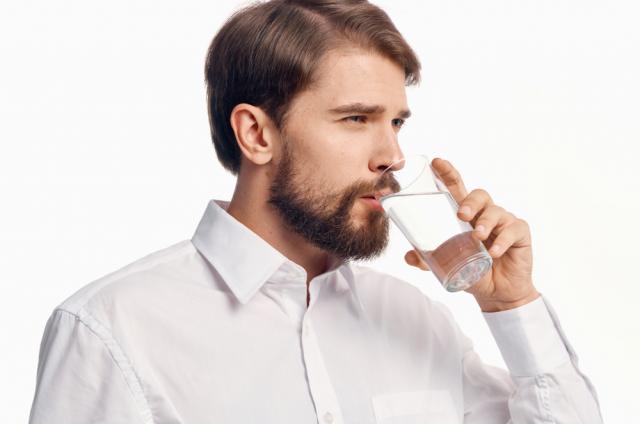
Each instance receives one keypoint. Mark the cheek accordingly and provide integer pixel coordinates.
(330, 156)
(336, 166)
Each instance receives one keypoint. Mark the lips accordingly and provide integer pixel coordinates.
(378, 194)
(372, 202)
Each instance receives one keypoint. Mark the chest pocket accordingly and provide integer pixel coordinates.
(422, 406)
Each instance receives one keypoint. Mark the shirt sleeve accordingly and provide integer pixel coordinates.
(82, 376)
(543, 383)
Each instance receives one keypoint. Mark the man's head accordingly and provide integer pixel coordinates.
(310, 95)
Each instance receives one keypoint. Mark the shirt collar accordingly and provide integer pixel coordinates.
(231, 248)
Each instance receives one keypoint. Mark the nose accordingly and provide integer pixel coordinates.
(387, 154)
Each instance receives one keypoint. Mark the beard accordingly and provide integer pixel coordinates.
(324, 219)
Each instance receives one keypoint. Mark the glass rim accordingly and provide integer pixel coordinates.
(385, 190)
(404, 159)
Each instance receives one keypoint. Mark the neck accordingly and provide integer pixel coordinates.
(253, 211)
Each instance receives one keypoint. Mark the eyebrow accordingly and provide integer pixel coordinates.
(366, 109)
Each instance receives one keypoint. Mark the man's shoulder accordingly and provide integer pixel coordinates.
(132, 279)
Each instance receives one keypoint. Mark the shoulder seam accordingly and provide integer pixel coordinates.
(121, 360)
(142, 264)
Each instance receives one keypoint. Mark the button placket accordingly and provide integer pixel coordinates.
(322, 392)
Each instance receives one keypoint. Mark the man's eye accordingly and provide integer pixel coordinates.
(356, 118)
(398, 122)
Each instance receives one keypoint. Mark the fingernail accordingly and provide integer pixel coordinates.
(479, 229)
(495, 248)
(465, 210)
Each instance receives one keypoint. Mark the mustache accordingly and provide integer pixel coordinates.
(386, 184)
(383, 186)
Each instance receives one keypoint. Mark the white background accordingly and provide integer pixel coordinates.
(105, 155)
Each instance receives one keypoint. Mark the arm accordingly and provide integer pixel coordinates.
(543, 383)
(83, 376)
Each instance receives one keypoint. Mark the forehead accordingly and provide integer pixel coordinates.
(357, 76)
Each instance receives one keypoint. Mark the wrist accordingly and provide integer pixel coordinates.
(497, 306)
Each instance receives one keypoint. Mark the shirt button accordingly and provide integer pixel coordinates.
(328, 418)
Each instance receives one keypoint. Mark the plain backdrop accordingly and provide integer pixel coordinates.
(105, 156)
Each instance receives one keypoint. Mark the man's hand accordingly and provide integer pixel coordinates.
(508, 283)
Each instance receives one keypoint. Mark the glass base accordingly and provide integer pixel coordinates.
(468, 273)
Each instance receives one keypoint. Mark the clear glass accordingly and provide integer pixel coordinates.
(421, 206)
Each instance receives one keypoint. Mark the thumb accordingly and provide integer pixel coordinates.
(413, 258)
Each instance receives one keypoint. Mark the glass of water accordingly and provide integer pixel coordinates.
(420, 205)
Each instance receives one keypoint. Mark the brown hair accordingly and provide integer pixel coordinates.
(266, 53)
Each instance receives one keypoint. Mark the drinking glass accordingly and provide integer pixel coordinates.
(420, 205)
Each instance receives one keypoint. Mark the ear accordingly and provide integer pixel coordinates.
(255, 133)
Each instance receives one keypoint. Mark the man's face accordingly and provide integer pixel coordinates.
(339, 136)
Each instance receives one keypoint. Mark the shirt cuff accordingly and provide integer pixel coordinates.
(527, 339)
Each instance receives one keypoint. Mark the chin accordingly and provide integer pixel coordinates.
(368, 218)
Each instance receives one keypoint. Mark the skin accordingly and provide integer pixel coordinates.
(337, 151)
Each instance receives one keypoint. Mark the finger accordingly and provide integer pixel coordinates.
(493, 218)
(474, 204)
(414, 259)
(451, 178)
(515, 234)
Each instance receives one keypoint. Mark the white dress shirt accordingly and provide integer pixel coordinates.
(216, 329)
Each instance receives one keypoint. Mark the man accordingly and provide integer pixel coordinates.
(262, 316)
